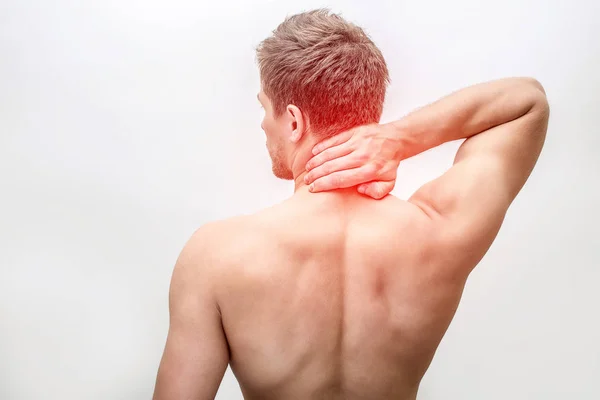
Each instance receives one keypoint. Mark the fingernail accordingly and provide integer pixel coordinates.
(315, 150)
(306, 179)
(311, 187)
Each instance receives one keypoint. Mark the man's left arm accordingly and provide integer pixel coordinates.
(196, 353)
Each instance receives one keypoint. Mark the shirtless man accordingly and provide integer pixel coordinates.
(332, 294)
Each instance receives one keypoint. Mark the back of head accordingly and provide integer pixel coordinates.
(327, 67)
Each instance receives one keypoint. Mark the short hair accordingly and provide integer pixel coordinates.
(326, 66)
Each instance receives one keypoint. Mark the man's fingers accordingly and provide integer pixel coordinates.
(377, 189)
(332, 166)
(332, 141)
(329, 154)
(343, 179)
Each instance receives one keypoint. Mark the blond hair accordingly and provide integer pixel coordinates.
(327, 67)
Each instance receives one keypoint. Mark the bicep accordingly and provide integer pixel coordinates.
(196, 353)
(471, 199)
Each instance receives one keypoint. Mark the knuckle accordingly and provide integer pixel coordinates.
(379, 163)
(316, 161)
(337, 180)
(327, 154)
(363, 156)
(371, 168)
(378, 192)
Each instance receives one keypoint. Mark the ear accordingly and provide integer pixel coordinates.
(297, 119)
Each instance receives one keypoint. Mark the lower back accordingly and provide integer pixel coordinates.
(333, 296)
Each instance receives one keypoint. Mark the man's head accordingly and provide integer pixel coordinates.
(320, 75)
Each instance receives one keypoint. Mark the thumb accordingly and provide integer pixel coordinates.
(377, 189)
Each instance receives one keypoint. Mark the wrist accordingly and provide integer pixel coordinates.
(398, 139)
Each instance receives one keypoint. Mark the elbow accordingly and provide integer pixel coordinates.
(535, 84)
(537, 96)
(539, 110)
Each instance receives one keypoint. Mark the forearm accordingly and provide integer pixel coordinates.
(466, 113)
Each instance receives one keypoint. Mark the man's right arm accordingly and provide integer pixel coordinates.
(504, 123)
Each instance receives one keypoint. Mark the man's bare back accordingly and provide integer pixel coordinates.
(332, 294)
(335, 296)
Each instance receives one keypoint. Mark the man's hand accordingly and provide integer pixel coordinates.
(367, 155)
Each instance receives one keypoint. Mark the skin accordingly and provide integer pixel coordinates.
(332, 294)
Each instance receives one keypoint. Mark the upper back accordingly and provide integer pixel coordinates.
(336, 296)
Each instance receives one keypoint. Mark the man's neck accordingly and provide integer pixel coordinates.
(299, 170)
(299, 160)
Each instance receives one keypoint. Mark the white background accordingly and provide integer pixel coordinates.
(125, 125)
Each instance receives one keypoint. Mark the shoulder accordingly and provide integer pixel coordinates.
(208, 255)
(218, 241)
(217, 231)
